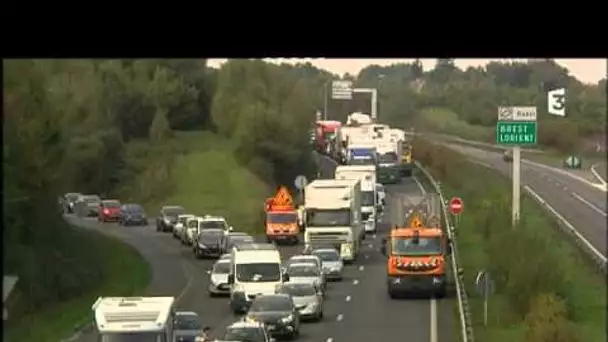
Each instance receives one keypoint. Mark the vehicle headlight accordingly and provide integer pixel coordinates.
(71, 205)
(200, 245)
(312, 306)
(287, 319)
(167, 221)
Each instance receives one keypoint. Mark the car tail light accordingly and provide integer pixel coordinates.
(106, 211)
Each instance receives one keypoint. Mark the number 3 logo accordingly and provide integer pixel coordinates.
(558, 101)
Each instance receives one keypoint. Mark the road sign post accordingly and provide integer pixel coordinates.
(300, 183)
(516, 126)
(342, 90)
(485, 287)
(456, 206)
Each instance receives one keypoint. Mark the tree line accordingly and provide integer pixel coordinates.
(405, 91)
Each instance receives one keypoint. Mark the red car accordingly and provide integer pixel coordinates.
(109, 210)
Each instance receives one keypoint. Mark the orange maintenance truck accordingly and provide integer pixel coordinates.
(281, 218)
(417, 256)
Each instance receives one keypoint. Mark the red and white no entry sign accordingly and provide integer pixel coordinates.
(456, 205)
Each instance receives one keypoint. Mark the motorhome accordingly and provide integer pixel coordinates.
(369, 198)
(255, 270)
(333, 215)
(120, 319)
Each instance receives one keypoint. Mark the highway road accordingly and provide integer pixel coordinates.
(356, 309)
(581, 202)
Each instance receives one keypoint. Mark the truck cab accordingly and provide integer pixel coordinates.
(281, 222)
(325, 133)
(362, 153)
(333, 216)
(369, 197)
(389, 166)
(416, 257)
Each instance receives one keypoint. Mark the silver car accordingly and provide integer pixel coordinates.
(307, 298)
(305, 273)
(186, 327)
(218, 278)
(305, 259)
(331, 263)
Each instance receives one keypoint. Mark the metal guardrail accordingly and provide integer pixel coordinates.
(464, 310)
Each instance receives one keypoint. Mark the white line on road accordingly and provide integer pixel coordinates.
(340, 317)
(420, 186)
(568, 225)
(355, 282)
(366, 256)
(329, 339)
(370, 245)
(348, 298)
(591, 205)
(433, 333)
(361, 268)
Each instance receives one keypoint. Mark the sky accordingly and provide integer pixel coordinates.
(585, 70)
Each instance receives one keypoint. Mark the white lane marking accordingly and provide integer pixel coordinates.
(348, 298)
(366, 256)
(433, 320)
(598, 176)
(420, 186)
(565, 173)
(591, 205)
(355, 282)
(567, 224)
(374, 236)
(370, 245)
(188, 284)
(329, 339)
(361, 268)
(340, 317)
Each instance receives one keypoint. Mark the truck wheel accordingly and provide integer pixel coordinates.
(392, 294)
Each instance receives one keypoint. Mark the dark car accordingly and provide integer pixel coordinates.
(87, 205)
(168, 217)
(209, 243)
(69, 201)
(132, 214)
(109, 210)
(278, 313)
(235, 238)
(187, 326)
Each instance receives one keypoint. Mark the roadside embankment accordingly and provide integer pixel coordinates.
(121, 271)
(544, 287)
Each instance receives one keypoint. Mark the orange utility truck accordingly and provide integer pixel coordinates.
(281, 218)
(417, 257)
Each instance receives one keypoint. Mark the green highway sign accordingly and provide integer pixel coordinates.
(516, 132)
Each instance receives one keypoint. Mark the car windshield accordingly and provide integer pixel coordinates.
(390, 157)
(271, 303)
(187, 322)
(173, 211)
(134, 208)
(299, 290)
(221, 268)
(258, 272)
(91, 200)
(183, 219)
(282, 218)
(210, 235)
(213, 224)
(328, 255)
(145, 336)
(303, 271)
(72, 197)
(111, 204)
(409, 246)
(327, 218)
(367, 198)
(245, 334)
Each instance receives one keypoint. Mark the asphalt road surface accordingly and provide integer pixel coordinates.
(356, 309)
(581, 202)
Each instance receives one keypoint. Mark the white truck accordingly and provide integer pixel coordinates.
(255, 269)
(362, 153)
(369, 198)
(389, 167)
(134, 318)
(358, 118)
(333, 216)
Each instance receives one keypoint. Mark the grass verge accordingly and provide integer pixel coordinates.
(207, 179)
(447, 122)
(125, 273)
(529, 264)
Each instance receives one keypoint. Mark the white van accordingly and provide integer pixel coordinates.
(255, 270)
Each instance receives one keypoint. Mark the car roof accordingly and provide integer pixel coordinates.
(111, 201)
(186, 313)
(304, 256)
(325, 250)
(212, 230)
(213, 218)
(247, 324)
(299, 264)
(276, 295)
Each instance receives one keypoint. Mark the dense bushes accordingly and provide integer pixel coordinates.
(540, 278)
